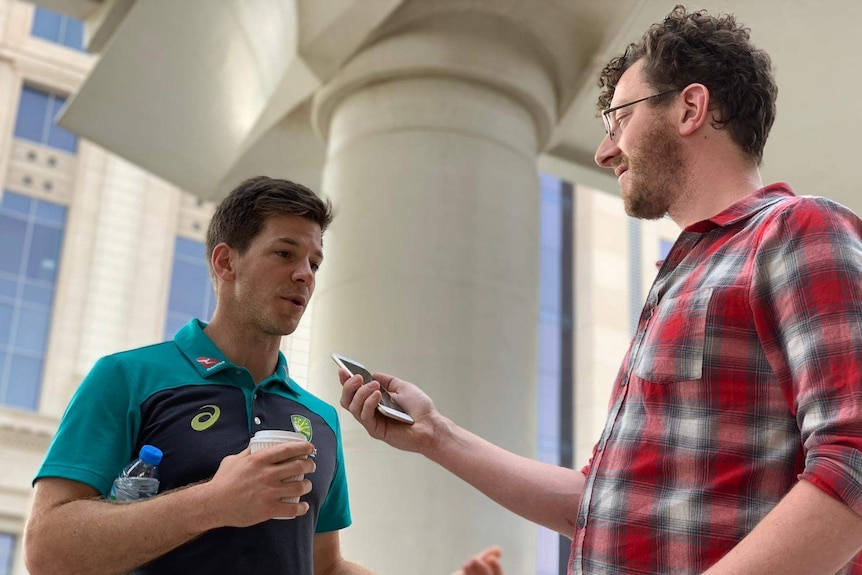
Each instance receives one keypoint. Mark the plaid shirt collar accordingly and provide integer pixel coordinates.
(744, 208)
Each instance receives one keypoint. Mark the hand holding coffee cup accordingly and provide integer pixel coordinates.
(272, 438)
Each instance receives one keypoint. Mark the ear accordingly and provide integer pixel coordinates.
(223, 261)
(695, 111)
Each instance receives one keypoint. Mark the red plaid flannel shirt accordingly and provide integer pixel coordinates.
(744, 376)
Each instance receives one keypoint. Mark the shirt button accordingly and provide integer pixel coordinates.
(582, 521)
(624, 382)
(254, 396)
(238, 372)
(257, 421)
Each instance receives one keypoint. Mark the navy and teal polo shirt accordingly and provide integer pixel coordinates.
(187, 399)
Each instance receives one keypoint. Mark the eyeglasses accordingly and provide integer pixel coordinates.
(609, 121)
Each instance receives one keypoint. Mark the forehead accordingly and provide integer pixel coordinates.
(297, 229)
(630, 85)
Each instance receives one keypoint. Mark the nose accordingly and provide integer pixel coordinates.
(303, 273)
(606, 152)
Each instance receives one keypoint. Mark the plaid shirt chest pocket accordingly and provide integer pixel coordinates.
(674, 344)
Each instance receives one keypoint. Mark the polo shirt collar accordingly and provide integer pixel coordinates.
(208, 359)
(744, 208)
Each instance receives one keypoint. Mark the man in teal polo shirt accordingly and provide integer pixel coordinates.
(199, 398)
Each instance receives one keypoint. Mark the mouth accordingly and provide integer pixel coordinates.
(619, 171)
(297, 300)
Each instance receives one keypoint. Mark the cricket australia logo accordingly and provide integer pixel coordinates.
(301, 424)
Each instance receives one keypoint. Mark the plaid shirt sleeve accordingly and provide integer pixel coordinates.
(806, 295)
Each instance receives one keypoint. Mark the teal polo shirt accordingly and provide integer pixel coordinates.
(188, 400)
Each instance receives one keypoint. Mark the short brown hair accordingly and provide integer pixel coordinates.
(241, 215)
(714, 51)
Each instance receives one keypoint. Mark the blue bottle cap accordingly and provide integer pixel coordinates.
(150, 454)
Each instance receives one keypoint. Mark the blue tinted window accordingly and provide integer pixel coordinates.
(35, 122)
(191, 294)
(49, 213)
(6, 310)
(664, 247)
(31, 233)
(58, 28)
(44, 254)
(7, 553)
(196, 251)
(32, 333)
(22, 385)
(8, 288)
(13, 232)
(41, 294)
(58, 137)
(32, 111)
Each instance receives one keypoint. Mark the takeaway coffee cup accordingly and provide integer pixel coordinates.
(271, 438)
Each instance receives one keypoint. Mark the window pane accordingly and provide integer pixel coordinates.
(173, 324)
(32, 110)
(46, 24)
(44, 253)
(73, 36)
(58, 137)
(5, 324)
(7, 553)
(188, 285)
(12, 234)
(8, 289)
(16, 204)
(22, 389)
(38, 294)
(32, 332)
(190, 248)
(49, 213)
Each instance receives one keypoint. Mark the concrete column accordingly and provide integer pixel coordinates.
(431, 271)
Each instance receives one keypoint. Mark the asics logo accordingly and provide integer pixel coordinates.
(206, 419)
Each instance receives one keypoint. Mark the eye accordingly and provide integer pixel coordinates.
(315, 266)
(283, 254)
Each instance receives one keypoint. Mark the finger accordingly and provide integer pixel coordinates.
(284, 451)
(293, 488)
(385, 380)
(350, 386)
(361, 397)
(368, 414)
(294, 468)
(289, 509)
(343, 375)
(475, 567)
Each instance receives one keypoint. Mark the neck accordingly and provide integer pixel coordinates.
(715, 182)
(245, 347)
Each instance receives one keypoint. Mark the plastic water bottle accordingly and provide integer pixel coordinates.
(140, 478)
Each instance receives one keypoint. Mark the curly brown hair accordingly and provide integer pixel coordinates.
(714, 51)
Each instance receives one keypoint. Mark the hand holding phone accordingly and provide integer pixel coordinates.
(387, 406)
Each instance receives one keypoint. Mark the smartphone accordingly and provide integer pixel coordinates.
(387, 406)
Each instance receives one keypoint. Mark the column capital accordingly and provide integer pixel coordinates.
(497, 45)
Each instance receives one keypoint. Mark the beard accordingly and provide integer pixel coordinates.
(655, 173)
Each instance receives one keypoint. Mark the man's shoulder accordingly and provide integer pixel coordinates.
(165, 354)
(808, 212)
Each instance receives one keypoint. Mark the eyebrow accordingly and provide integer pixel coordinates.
(294, 243)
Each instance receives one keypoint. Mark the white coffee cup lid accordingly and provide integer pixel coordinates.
(278, 435)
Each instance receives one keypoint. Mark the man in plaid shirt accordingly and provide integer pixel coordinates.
(733, 443)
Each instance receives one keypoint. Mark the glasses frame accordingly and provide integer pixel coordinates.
(608, 111)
